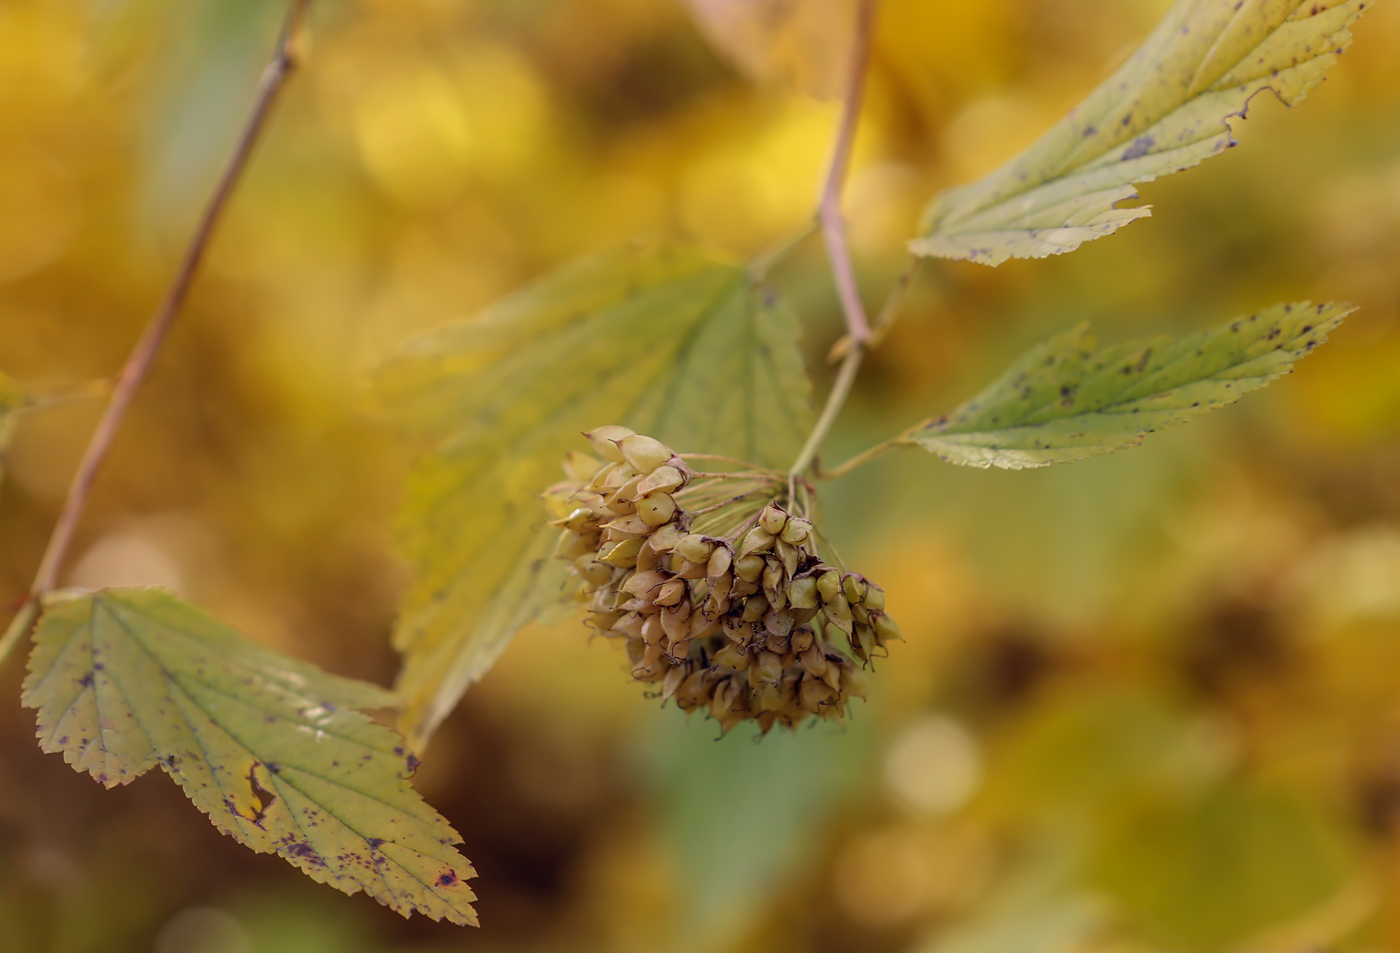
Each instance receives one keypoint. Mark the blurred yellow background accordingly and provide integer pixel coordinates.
(1150, 702)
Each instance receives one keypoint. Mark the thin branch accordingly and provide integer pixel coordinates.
(861, 459)
(829, 210)
(834, 234)
(138, 365)
(835, 401)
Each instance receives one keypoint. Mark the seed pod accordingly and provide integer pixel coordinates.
(652, 631)
(630, 625)
(757, 540)
(720, 561)
(773, 519)
(887, 629)
(673, 680)
(854, 681)
(580, 520)
(788, 555)
(695, 548)
(675, 622)
(755, 607)
(605, 440)
(749, 567)
(874, 598)
(814, 693)
(644, 583)
(580, 467)
(829, 584)
(772, 574)
(623, 554)
(802, 593)
(777, 623)
(838, 613)
(656, 509)
(802, 639)
(593, 571)
(665, 538)
(670, 593)
(653, 663)
(666, 479)
(572, 545)
(814, 661)
(730, 657)
(647, 557)
(769, 667)
(645, 454)
(796, 531)
(855, 588)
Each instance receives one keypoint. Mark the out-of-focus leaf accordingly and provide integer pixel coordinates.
(1066, 401)
(1207, 874)
(660, 339)
(267, 746)
(802, 776)
(803, 42)
(1165, 110)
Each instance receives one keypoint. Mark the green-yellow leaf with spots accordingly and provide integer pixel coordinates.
(1166, 109)
(658, 338)
(1064, 400)
(272, 749)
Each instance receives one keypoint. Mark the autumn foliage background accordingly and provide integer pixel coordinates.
(1147, 702)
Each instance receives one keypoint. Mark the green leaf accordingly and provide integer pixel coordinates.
(657, 338)
(267, 746)
(1165, 110)
(1065, 401)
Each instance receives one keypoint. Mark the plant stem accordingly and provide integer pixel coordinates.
(138, 364)
(835, 401)
(834, 234)
(829, 209)
(860, 460)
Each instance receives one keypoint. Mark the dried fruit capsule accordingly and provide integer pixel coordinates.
(670, 593)
(802, 593)
(623, 554)
(757, 540)
(796, 531)
(773, 518)
(667, 479)
(645, 454)
(656, 509)
(749, 568)
(605, 440)
(720, 561)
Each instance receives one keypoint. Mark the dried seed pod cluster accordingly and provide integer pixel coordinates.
(744, 625)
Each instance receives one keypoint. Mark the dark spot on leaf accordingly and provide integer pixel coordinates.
(1141, 146)
(448, 878)
(413, 763)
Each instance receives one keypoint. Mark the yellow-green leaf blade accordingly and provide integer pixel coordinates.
(272, 749)
(1065, 400)
(1165, 110)
(658, 338)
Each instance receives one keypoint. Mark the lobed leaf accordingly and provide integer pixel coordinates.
(1066, 401)
(1166, 109)
(269, 747)
(658, 338)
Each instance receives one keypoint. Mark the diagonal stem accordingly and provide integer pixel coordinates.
(138, 364)
(834, 234)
